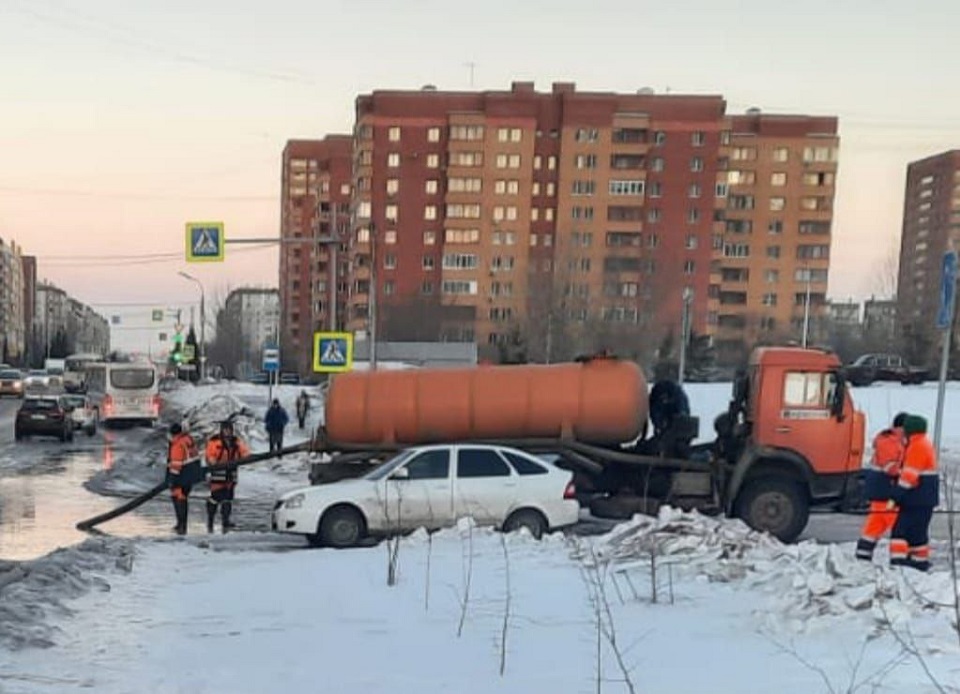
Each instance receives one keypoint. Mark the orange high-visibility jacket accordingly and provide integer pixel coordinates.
(888, 449)
(919, 483)
(182, 449)
(218, 456)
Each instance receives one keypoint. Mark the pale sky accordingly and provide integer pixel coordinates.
(120, 121)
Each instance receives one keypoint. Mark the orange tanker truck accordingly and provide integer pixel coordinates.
(789, 440)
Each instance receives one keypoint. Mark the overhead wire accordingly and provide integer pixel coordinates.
(144, 259)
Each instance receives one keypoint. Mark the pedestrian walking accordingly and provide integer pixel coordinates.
(880, 481)
(223, 449)
(181, 451)
(917, 493)
(303, 406)
(276, 421)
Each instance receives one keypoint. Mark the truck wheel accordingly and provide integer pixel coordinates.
(774, 505)
(527, 518)
(341, 526)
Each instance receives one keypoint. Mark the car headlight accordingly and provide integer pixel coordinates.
(295, 501)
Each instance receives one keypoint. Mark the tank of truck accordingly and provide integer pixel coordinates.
(602, 401)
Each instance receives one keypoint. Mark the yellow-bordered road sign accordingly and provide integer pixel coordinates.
(332, 352)
(205, 242)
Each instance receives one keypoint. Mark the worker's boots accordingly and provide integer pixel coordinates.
(226, 508)
(180, 508)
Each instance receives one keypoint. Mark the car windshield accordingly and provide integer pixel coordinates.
(7, 375)
(131, 379)
(39, 404)
(382, 471)
(38, 373)
(75, 400)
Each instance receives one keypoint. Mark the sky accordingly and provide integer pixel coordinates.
(121, 121)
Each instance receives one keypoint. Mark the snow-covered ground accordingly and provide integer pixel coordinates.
(735, 612)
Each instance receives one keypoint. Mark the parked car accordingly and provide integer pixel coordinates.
(290, 378)
(869, 368)
(43, 416)
(36, 379)
(431, 487)
(11, 383)
(262, 378)
(82, 413)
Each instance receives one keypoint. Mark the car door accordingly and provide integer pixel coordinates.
(485, 487)
(420, 492)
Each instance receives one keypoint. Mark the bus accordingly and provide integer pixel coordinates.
(74, 371)
(124, 392)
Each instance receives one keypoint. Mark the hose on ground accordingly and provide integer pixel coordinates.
(138, 501)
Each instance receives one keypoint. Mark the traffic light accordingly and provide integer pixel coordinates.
(176, 355)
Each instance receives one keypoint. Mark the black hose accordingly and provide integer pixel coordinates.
(90, 523)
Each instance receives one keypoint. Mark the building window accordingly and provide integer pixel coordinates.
(773, 251)
(466, 132)
(653, 215)
(698, 138)
(534, 214)
(433, 134)
(585, 161)
(771, 276)
(548, 240)
(659, 138)
(433, 161)
(430, 212)
(466, 159)
(692, 242)
(426, 287)
(548, 214)
(778, 179)
(693, 215)
(537, 161)
(429, 238)
(431, 186)
(393, 186)
(583, 187)
(391, 212)
(741, 178)
(345, 189)
(777, 204)
(389, 287)
(781, 154)
(393, 134)
(551, 189)
(581, 213)
(459, 287)
(461, 236)
(465, 185)
(363, 209)
(819, 154)
(463, 211)
(363, 235)
(721, 190)
(533, 239)
(696, 164)
(775, 226)
(587, 135)
(390, 261)
(689, 267)
(694, 190)
(393, 160)
(736, 250)
(769, 299)
(813, 252)
(655, 189)
(390, 237)
(743, 153)
(619, 187)
(551, 162)
(428, 262)
(459, 261)
(656, 164)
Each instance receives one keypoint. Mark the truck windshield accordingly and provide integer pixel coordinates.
(378, 473)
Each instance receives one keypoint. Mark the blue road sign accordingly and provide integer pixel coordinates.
(271, 359)
(948, 290)
(332, 352)
(204, 242)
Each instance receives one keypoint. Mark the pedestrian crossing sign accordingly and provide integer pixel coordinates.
(205, 242)
(332, 352)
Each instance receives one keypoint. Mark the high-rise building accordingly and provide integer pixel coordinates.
(29, 265)
(774, 255)
(315, 214)
(931, 226)
(12, 336)
(248, 322)
(488, 216)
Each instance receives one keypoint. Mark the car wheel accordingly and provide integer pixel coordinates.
(774, 505)
(17, 435)
(527, 518)
(91, 430)
(341, 526)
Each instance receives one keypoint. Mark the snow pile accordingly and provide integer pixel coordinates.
(808, 584)
(34, 592)
(203, 420)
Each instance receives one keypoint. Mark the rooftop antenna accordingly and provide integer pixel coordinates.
(472, 67)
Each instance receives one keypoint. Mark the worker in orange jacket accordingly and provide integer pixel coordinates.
(181, 450)
(222, 449)
(879, 482)
(917, 493)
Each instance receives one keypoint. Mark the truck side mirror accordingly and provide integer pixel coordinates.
(839, 397)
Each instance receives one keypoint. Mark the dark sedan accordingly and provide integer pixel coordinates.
(43, 417)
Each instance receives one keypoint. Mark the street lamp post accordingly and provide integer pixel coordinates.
(685, 330)
(203, 323)
(806, 311)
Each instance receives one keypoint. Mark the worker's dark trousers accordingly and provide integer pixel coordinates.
(276, 440)
(179, 496)
(222, 498)
(301, 420)
(910, 539)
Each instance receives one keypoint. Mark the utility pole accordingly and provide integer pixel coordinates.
(806, 311)
(332, 259)
(372, 301)
(685, 331)
(472, 67)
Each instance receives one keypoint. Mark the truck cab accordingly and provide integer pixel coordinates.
(802, 439)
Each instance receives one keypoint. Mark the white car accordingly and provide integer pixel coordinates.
(83, 414)
(431, 487)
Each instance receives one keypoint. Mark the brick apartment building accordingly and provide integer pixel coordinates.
(777, 230)
(573, 220)
(315, 213)
(931, 226)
